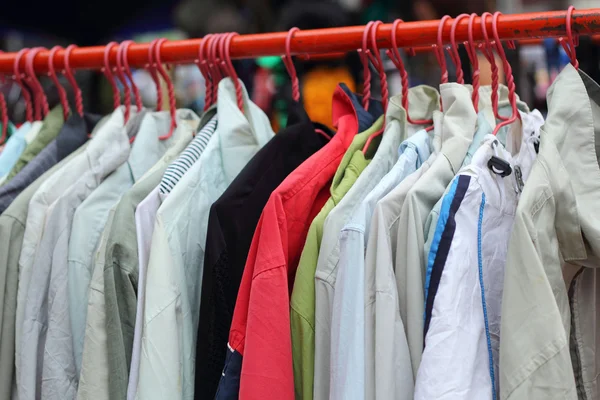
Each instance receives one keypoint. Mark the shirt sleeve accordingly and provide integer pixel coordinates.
(347, 376)
(160, 375)
(534, 350)
(387, 357)
(93, 380)
(9, 259)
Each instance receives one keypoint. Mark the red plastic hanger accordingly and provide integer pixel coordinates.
(62, 94)
(125, 63)
(472, 52)
(571, 41)
(227, 65)
(378, 63)
(204, 70)
(4, 111)
(289, 65)
(170, 88)
(394, 55)
(510, 79)
(487, 49)
(41, 102)
(18, 77)
(363, 53)
(460, 75)
(108, 73)
(68, 72)
(151, 68)
(123, 79)
(215, 64)
(439, 50)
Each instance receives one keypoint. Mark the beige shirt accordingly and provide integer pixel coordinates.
(549, 332)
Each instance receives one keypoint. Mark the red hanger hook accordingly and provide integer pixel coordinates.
(123, 79)
(151, 67)
(62, 94)
(375, 57)
(510, 79)
(107, 70)
(571, 41)
(202, 64)
(170, 88)
(488, 52)
(68, 72)
(363, 53)
(124, 59)
(289, 64)
(439, 50)
(227, 64)
(215, 64)
(460, 75)
(472, 52)
(18, 77)
(396, 58)
(41, 102)
(4, 111)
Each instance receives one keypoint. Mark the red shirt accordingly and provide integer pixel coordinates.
(260, 330)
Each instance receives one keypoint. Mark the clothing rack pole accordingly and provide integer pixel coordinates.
(410, 34)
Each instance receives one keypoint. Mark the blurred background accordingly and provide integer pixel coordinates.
(48, 23)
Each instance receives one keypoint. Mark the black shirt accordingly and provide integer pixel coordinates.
(231, 224)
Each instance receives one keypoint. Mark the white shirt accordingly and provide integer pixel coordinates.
(462, 312)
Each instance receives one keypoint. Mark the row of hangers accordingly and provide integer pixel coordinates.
(214, 62)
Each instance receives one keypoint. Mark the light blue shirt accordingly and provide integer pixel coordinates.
(348, 318)
(175, 267)
(13, 149)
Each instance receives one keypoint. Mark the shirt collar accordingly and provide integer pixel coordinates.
(365, 118)
(457, 124)
(147, 148)
(236, 130)
(421, 143)
(569, 140)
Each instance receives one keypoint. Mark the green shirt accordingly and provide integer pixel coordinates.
(302, 315)
(53, 123)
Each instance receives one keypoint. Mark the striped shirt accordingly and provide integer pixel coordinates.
(188, 157)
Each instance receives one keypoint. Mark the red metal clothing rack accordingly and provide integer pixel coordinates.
(334, 40)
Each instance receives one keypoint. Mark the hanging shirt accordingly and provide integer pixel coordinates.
(170, 328)
(233, 219)
(550, 299)
(424, 100)
(46, 347)
(15, 145)
(463, 304)
(260, 330)
(48, 192)
(457, 130)
(90, 218)
(348, 352)
(145, 215)
(72, 135)
(302, 300)
(94, 378)
(53, 123)
(12, 230)
(485, 125)
(386, 349)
